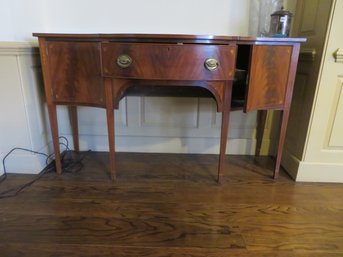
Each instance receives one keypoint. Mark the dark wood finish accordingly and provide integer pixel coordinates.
(268, 77)
(74, 126)
(50, 103)
(81, 69)
(110, 125)
(75, 72)
(168, 61)
(224, 128)
(177, 38)
(168, 205)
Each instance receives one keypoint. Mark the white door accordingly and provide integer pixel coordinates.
(322, 158)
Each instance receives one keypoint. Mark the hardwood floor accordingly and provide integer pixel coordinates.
(170, 205)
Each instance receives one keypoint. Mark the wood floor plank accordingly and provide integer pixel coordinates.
(117, 231)
(169, 205)
(70, 250)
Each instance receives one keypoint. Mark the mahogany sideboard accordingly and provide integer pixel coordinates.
(99, 69)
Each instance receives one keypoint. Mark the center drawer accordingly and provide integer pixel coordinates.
(168, 61)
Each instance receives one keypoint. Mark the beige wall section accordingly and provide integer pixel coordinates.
(320, 156)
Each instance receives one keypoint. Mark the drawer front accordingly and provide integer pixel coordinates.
(168, 61)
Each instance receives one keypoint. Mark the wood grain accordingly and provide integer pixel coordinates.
(162, 207)
(168, 61)
(268, 77)
(75, 72)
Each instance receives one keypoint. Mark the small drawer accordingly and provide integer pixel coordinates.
(168, 61)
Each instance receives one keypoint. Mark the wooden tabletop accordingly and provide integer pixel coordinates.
(168, 37)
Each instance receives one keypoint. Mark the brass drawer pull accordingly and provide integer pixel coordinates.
(124, 60)
(211, 64)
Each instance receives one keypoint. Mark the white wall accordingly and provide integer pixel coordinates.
(19, 19)
(6, 31)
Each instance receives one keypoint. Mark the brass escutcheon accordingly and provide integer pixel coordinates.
(211, 64)
(124, 60)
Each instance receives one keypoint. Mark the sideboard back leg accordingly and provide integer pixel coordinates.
(284, 122)
(261, 123)
(74, 126)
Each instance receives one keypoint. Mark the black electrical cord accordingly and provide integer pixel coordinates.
(4, 176)
(68, 165)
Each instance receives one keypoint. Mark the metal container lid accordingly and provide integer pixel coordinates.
(282, 12)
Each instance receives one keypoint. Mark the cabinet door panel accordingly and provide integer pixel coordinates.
(75, 72)
(268, 77)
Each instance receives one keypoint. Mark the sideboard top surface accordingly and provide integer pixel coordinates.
(167, 37)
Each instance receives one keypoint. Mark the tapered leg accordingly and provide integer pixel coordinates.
(110, 126)
(54, 134)
(284, 121)
(261, 123)
(74, 126)
(224, 129)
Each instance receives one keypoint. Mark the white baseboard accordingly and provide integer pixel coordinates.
(22, 162)
(320, 172)
(167, 144)
(312, 171)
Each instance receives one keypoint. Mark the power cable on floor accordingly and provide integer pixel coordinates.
(68, 165)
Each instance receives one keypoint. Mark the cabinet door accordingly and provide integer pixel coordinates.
(268, 76)
(75, 72)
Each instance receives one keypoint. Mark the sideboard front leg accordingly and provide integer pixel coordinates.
(74, 126)
(110, 126)
(284, 122)
(54, 134)
(224, 128)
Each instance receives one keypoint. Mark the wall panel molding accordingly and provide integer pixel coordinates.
(22, 122)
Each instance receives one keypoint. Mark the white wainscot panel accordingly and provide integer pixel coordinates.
(166, 112)
(22, 121)
(92, 120)
(13, 124)
(163, 124)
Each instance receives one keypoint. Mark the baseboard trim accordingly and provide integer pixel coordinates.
(320, 172)
(22, 162)
(167, 144)
(302, 171)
